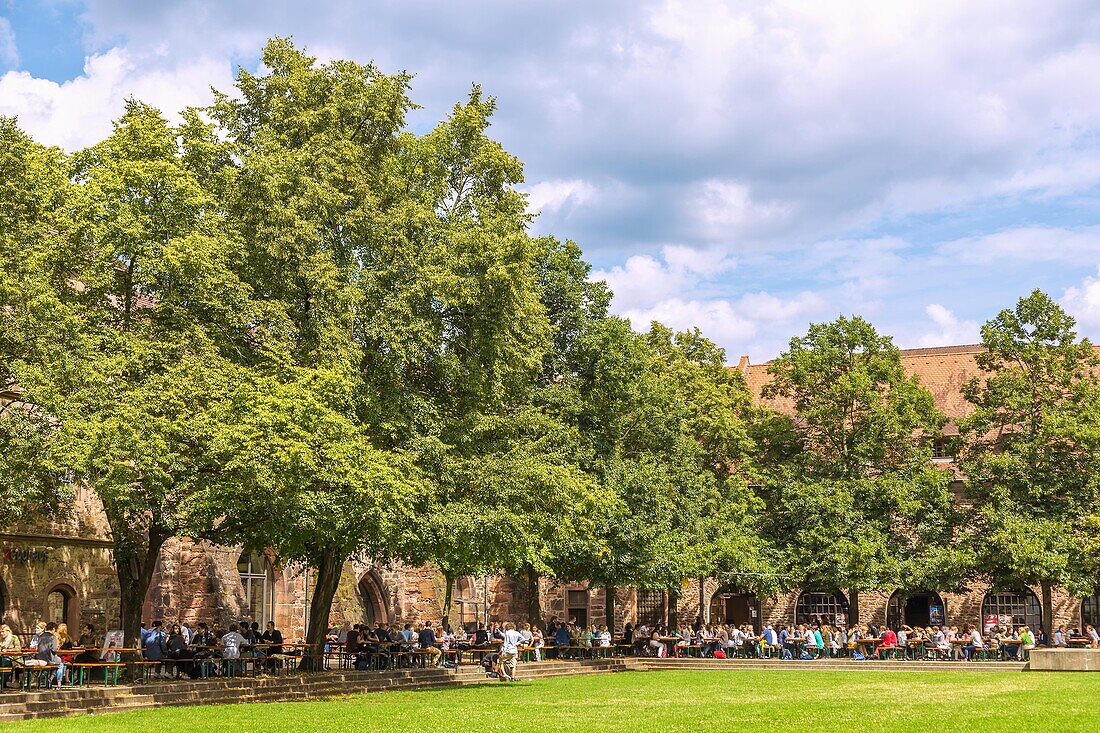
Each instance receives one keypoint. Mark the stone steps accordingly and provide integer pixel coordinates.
(97, 700)
(331, 684)
(836, 665)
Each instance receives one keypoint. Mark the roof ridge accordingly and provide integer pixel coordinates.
(933, 350)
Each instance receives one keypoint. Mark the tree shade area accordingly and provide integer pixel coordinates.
(666, 701)
(292, 325)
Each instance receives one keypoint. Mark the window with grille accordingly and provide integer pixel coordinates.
(578, 606)
(1090, 610)
(651, 607)
(255, 574)
(830, 608)
(1011, 608)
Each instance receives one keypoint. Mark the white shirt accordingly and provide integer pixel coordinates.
(605, 638)
(231, 645)
(976, 638)
(511, 642)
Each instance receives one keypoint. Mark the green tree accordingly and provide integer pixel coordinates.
(307, 482)
(1032, 451)
(853, 499)
(145, 317)
(664, 425)
(35, 208)
(406, 259)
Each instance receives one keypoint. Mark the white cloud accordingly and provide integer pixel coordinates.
(949, 330)
(643, 280)
(1030, 244)
(1083, 303)
(725, 208)
(558, 196)
(9, 52)
(758, 324)
(79, 112)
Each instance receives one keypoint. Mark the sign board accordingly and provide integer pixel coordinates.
(936, 615)
(25, 555)
(113, 640)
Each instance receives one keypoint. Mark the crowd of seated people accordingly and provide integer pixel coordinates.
(180, 651)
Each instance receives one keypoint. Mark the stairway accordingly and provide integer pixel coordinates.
(829, 665)
(95, 700)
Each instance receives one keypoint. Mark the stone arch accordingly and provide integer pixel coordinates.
(731, 604)
(61, 603)
(915, 608)
(372, 593)
(466, 607)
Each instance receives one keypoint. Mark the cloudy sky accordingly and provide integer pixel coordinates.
(747, 167)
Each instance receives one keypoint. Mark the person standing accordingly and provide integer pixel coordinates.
(509, 652)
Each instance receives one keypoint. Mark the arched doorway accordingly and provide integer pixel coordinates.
(1011, 608)
(3, 602)
(919, 608)
(730, 606)
(1090, 610)
(372, 597)
(61, 605)
(829, 608)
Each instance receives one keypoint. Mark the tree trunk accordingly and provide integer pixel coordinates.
(673, 608)
(609, 607)
(329, 567)
(702, 600)
(448, 598)
(853, 607)
(534, 606)
(1048, 612)
(134, 566)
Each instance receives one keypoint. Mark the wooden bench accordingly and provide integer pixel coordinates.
(84, 669)
(39, 675)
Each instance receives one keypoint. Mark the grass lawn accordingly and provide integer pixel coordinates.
(640, 702)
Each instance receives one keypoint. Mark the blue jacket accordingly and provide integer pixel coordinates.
(156, 647)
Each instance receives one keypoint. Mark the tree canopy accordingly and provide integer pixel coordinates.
(1032, 451)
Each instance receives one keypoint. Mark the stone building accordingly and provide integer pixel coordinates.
(61, 569)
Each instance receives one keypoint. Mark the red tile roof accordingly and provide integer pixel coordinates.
(943, 370)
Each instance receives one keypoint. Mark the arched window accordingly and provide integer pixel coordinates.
(465, 603)
(255, 573)
(1090, 610)
(61, 605)
(915, 609)
(1011, 608)
(817, 606)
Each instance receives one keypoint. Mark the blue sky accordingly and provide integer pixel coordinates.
(747, 167)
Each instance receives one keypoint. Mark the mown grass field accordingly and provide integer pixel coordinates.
(639, 702)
